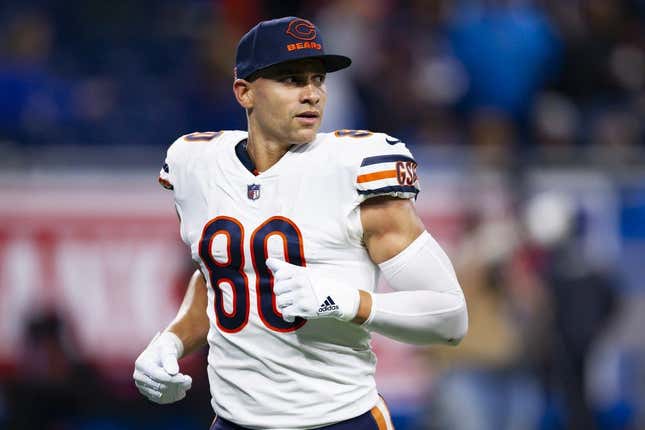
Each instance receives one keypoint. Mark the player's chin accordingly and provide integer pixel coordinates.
(305, 135)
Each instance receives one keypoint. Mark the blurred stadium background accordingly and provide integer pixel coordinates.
(527, 118)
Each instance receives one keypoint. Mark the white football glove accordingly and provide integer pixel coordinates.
(156, 371)
(298, 295)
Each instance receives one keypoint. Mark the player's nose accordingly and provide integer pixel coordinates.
(311, 93)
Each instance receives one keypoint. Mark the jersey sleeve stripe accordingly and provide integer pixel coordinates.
(165, 183)
(385, 159)
(391, 189)
(368, 177)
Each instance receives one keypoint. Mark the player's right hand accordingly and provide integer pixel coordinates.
(156, 371)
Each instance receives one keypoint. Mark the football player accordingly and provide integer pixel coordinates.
(291, 229)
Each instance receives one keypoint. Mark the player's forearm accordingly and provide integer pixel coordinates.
(191, 323)
(429, 305)
(419, 317)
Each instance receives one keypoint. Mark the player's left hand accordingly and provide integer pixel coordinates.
(298, 295)
(156, 371)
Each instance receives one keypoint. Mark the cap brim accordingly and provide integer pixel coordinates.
(334, 63)
(331, 62)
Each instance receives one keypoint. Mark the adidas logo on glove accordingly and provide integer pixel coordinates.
(327, 306)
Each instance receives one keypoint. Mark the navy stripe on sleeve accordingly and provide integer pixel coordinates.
(385, 159)
(390, 189)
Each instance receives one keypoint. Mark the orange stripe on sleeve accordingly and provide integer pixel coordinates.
(379, 418)
(164, 183)
(384, 174)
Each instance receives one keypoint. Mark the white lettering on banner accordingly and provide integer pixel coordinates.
(104, 251)
(19, 279)
(110, 290)
(118, 289)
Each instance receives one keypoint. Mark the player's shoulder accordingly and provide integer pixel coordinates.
(193, 148)
(364, 147)
(363, 141)
(198, 141)
(378, 163)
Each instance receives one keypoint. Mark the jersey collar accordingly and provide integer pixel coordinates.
(244, 157)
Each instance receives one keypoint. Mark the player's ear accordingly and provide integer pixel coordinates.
(243, 93)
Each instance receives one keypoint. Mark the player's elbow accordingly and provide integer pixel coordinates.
(448, 327)
(455, 325)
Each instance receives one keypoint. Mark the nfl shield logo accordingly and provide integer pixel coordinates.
(253, 191)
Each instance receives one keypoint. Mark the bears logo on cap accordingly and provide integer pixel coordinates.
(301, 29)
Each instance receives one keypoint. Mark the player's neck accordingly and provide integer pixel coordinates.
(265, 152)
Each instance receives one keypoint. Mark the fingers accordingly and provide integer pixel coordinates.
(284, 287)
(187, 381)
(288, 318)
(162, 393)
(169, 361)
(159, 375)
(150, 389)
(289, 314)
(156, 373)
(284, 300)
(152, 395)
(143, 380)
(169, 396)
(281, 269)
(275, 265)
(164, 400)
(167, 400)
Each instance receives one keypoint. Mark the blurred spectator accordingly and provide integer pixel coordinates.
(350, 27)
(555, 122)
(55, 387)
(615, 134)
(594, 31)
(581, 300)
(34, 102)
(492, 135)
(422, 70)
(490, 371)
(509, 50)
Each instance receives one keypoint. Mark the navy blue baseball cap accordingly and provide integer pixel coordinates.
(281, 40)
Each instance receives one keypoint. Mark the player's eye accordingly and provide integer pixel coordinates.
(289, 79)
(302, 79)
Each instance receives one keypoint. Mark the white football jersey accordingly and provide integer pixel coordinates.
(264, 372)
